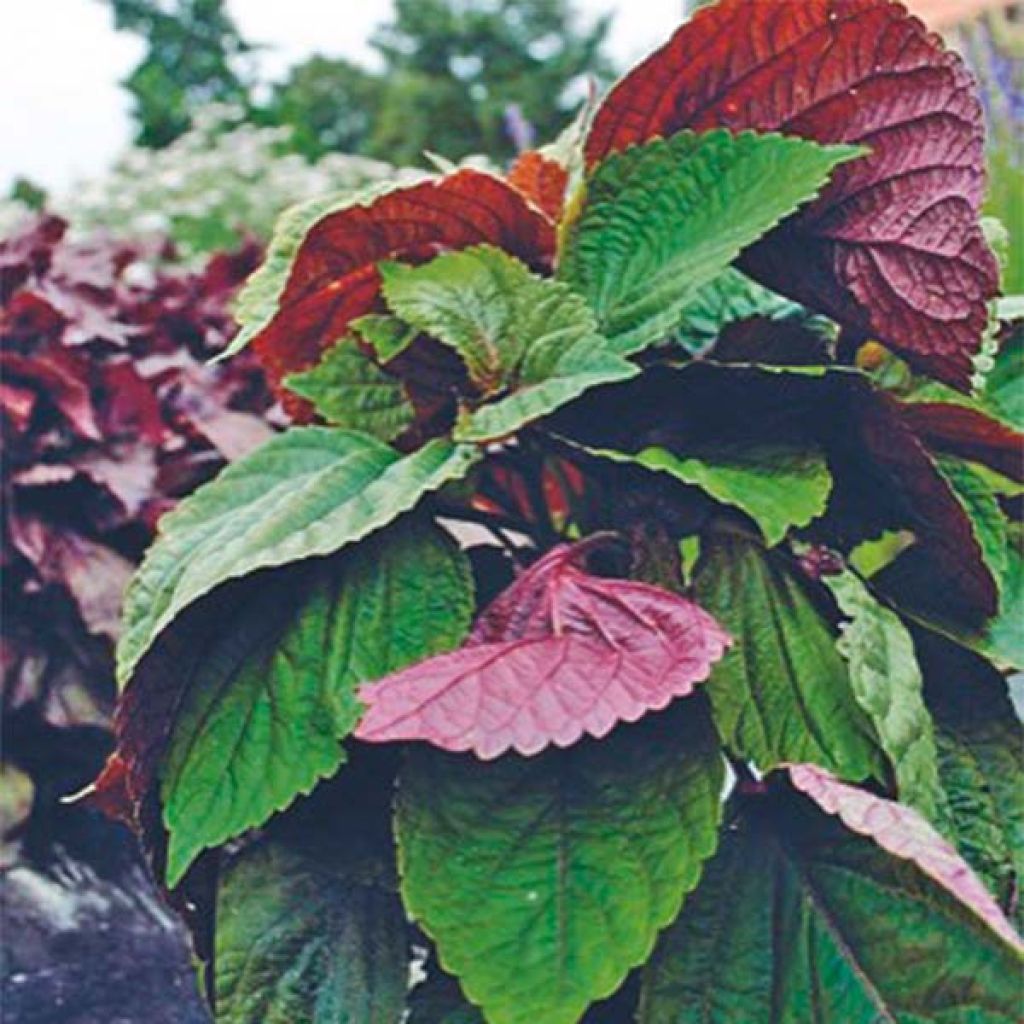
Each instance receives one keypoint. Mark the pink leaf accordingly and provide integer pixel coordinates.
(559, 654)
(902, 832)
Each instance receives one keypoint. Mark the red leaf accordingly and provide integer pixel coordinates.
(902, 832)
(892, 248)
(558, 655)
(62, 379)
(968, 433)
(542, 180)
(334, 278)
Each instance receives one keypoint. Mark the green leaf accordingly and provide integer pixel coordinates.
(265, 709)
(306, 493)
(982, 508)
(520, 334)
(386, 335)
(782, 693)
(544, 880)
(349, 390)
(1004, 385)
(439, 1000)
(779, 486)
(886, 681)
(797, 920)
(981, 764)
(310, 932)
(663, 219)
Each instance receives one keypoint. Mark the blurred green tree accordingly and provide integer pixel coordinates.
(194, 56)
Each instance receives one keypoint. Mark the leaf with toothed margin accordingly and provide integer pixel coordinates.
(663, 219)
(558, 655)
(893, 248)
(798, 919)
(306, 493)
(543, 881)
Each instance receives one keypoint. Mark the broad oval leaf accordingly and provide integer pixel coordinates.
(797, 920)
(262, 710)
(309, 928)
(321, 273)
(544, 880)
(306, 493)
(783, 693)
(559, 655)
(893, 247)
(527, 338)
(779, 486)
(661, 220)
(902, 832)
(886, 681)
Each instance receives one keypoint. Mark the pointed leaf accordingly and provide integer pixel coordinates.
(542, 180)
(349, 390)
(798, 920)
(783, 693)
(544, 881)
(321, 273)
(661, 220)
(778, 486)
(902, 832)
(560, 654)
(309, 927)
(515, 331)
(893, 247)
(262, 711)
(306, 493)
(886, 681)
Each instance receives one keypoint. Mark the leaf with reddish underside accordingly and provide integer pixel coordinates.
(558, 655)
(320, 272)
(902, 832)
(892, 248)
(542, 180)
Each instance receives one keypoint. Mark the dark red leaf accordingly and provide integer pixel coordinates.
(542, 180)
(334, 279)
(969, 433)
(559, 654)
(892, 248)
(62, 379)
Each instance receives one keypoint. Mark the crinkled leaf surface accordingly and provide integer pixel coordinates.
(903, 833)
(321, 272)
(516, 332)
(783, 693)
(663, 219)
(778, 486)
(306, 493)
(560, 654)
(544, 880)
(796, 919)
(981, 764)
(893, 247)
(349, 390)
(886, 681)
(264, 709)
(309, 927)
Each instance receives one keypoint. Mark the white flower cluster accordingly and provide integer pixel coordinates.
(222, 178)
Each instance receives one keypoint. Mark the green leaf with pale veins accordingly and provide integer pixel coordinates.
(661, 220)
(782, 693)
(886, 680)
(264, 711)
(349, 390)
(306, 493)
(309, 927)
(543, 880)
(386, 335)
(526, 338)
(779, 486)
(981, 765)
(797, 920)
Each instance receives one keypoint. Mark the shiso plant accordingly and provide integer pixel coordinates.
(621, 630)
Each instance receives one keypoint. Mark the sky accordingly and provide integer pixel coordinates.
(64, 117)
